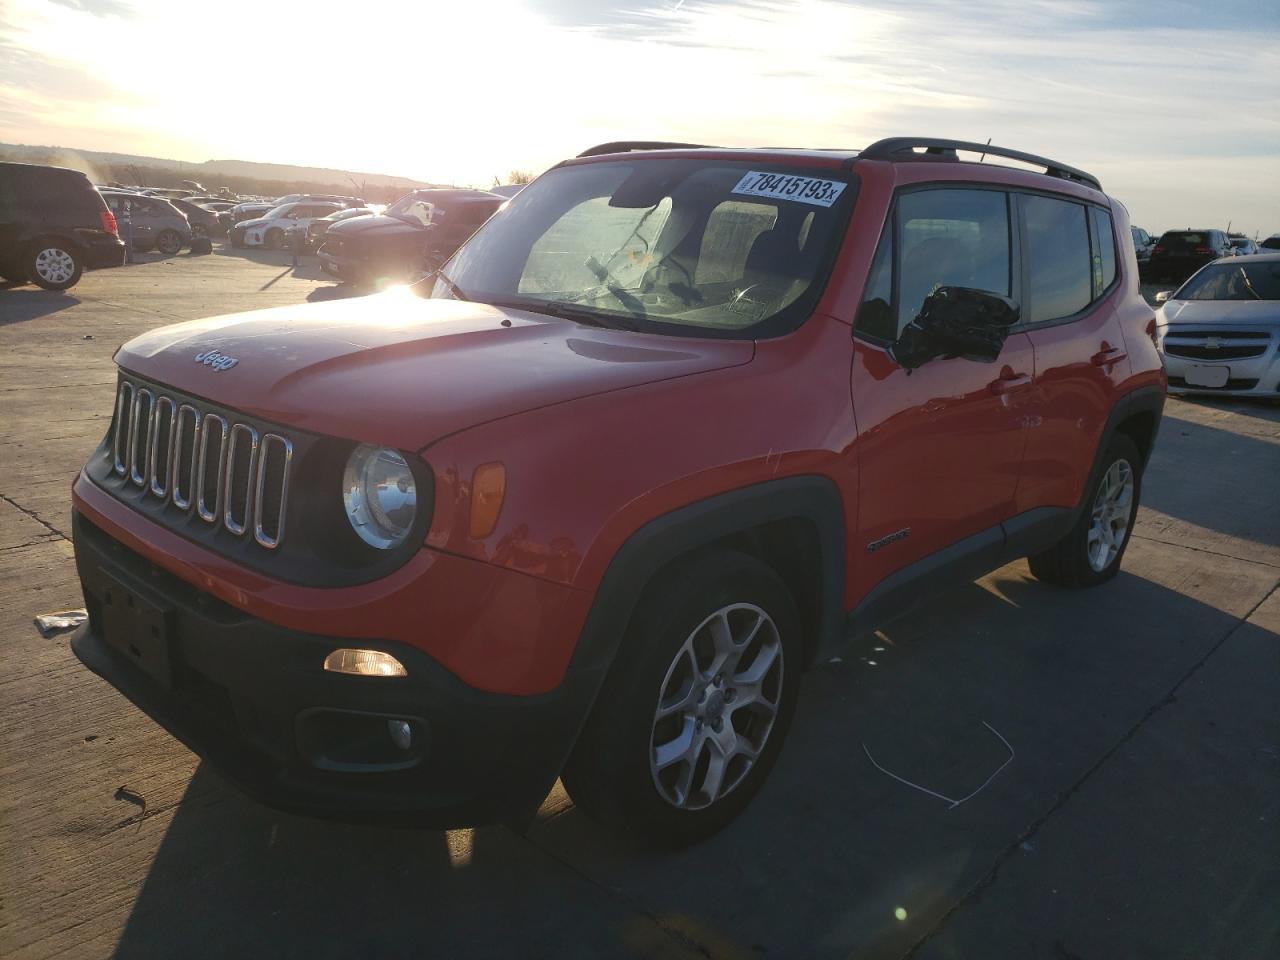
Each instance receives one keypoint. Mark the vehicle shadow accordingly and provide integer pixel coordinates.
(339, 291)
(1236, 498)
(19, 303)
(308, 264)
(833, 859)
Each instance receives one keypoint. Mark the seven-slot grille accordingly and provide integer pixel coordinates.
(227, 472)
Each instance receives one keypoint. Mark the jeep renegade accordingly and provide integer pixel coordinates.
(665, 431)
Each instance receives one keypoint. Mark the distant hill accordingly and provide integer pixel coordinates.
(239, 176)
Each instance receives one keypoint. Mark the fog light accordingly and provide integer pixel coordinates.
(401, 733)
(364, 663)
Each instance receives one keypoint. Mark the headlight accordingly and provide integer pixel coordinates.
(379, 493)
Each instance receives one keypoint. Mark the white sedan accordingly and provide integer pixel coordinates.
(1219, 332)
(271, 229)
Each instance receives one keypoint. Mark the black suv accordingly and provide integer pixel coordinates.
(1180, 253)
(53, 226)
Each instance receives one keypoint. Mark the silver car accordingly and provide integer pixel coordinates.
(153, 221)
(1219, 332)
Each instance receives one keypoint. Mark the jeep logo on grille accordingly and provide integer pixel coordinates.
(219, 361)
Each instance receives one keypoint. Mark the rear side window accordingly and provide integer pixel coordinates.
(1059, 259)
(952, 238)
(1104, 250)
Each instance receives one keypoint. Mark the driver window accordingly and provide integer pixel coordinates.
(956, 238)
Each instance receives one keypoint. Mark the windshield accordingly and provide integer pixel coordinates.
(1259, 280)
(710, 248)
(413, 209)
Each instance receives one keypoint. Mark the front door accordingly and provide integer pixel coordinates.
(940, 447)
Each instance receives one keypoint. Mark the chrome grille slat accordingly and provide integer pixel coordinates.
(137, 421)
(186, 413)
(228, 494)
(259, 533)
(161, 478)
(207, 513)
(124, 415)
(156, 438)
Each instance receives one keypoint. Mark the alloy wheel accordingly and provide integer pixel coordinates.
(1112, 511)
(717, 706)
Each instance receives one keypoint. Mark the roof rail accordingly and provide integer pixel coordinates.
(903, 148)
(626, 146)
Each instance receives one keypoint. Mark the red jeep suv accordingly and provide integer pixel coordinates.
(664, 432)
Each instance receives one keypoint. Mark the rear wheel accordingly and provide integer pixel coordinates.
(697, 704)
(169, 242)
(1091, 553)
(54, 265)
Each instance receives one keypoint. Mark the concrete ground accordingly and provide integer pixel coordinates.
(1139, 815)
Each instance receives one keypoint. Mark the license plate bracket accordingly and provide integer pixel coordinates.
(1199, 375)
(140, 630)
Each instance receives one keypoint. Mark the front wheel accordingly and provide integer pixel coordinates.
(54, 265)
(697, 704)
(1091, 553)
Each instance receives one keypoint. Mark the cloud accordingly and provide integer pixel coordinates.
(461, 91)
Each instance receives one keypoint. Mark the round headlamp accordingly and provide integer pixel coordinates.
(380, 496)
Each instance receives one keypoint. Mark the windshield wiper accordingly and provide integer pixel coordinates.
(453, 287)
(569, 311)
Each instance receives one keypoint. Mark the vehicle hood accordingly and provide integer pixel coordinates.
(401, 371)
(374, 225)
(1219, 312)
(256, 222)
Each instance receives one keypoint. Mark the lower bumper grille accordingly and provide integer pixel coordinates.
(1229, 385)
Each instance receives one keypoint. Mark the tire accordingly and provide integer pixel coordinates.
(1091, 554)
(274, 239)
(616, 773)
(169, 242)
(54, 265)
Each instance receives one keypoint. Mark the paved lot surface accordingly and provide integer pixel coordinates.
(1139, 817)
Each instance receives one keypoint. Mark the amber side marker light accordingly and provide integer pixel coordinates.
(488, 487)
(364, 663)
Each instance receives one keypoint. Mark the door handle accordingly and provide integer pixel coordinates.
(1009, 383)
(1107, 356)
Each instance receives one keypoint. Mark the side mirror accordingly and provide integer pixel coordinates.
(956, 322)
(1163, 296)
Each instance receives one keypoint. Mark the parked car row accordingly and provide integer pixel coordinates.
(1179, 253)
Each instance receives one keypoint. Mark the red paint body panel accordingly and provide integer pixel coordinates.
(496, 630)
(401, 371)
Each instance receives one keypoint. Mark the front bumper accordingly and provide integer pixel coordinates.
(250, 697)
(1257, 376)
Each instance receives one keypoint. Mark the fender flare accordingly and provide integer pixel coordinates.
(654, 545)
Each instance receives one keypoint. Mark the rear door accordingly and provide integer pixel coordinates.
(1072, 288)
(940, 447)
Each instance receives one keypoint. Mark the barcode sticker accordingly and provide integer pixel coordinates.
(785, 186)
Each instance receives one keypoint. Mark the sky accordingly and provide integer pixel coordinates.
(1175, 106)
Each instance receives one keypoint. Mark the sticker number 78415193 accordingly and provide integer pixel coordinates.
(785, 186)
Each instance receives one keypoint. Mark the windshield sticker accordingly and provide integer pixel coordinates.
(783, 186)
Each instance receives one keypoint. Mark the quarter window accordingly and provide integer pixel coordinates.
(954, 238)
(875, 316)
(1059, 260)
